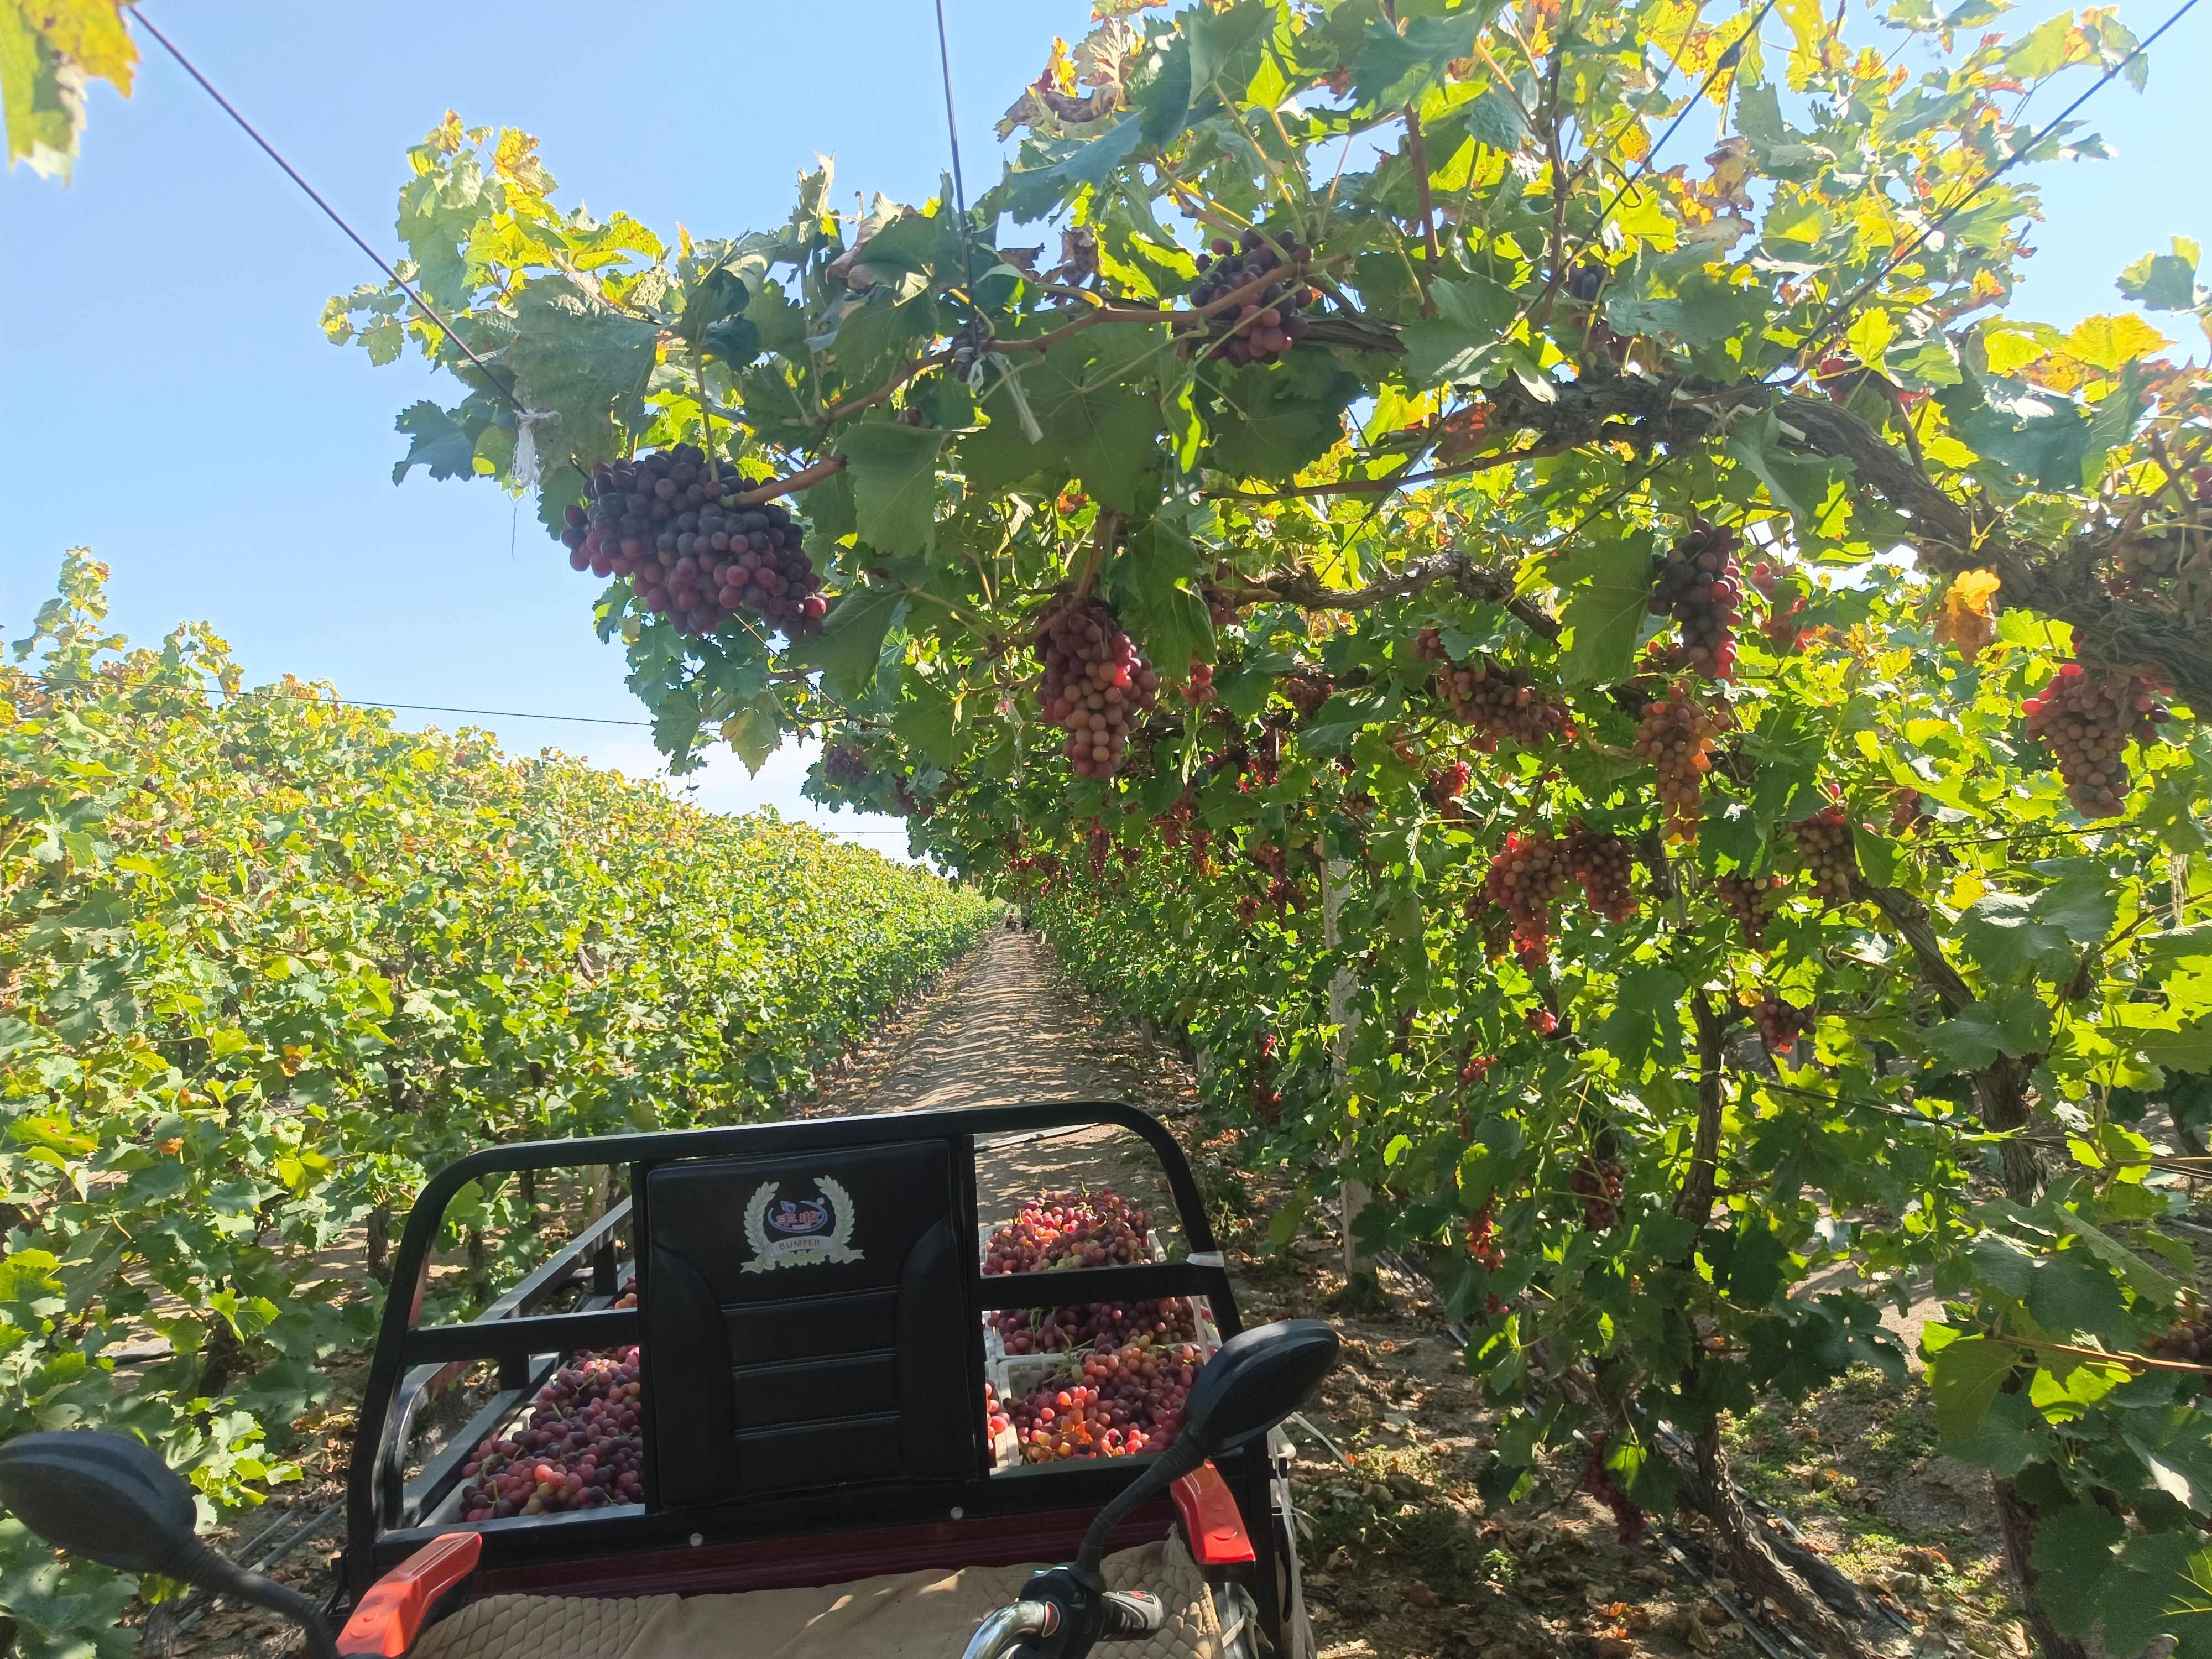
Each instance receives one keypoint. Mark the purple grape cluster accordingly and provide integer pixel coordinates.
(672, 523)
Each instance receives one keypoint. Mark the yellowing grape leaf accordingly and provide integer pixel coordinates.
(49, 49)
(2108, 342)
(1966, 620)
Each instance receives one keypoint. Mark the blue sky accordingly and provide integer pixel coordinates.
(167, 396)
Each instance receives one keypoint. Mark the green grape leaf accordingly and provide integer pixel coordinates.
(1964, 1376)
(1467, 337)
(1607, 595)
(1392, 66)
(894, 473)
(2014, 1022)
(1279, 419)
(582, 363)
(2072, 1556)
(436, 440)
(1034, 192)
(756, 732)
(2161, 281)
(852, 638)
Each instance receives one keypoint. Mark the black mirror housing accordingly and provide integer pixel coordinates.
(1258, 1378)
(102, 1495)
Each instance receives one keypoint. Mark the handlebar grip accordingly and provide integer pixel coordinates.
(1131, 1612)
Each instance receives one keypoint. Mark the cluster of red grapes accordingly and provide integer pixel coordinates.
(1474, 1067)
(1783, 631)
(1754, 901)
(1069, 1229)
(1606, 867)
(1676, 736)
(1482, 1242)
(1497, 925)
(1598, 1481)
(2179, 552)
(1824, 841)
(2085, 720)
(1199, 688)
(1445, 787)
(1095, 1325)
(1122, 1400)
(2189, 1341)
(844, 767)
(1494, 701)
(1266, 1098)
(671, 523)
(1695, 582)
(1267, 322)
(1781, 1023)
(1221, 610)
(581, 1449)
(1525, 876)
(1095, 680)
(1597, 1181)
(1307, 691)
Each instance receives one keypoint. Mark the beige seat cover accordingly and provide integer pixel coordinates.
(928, 1614)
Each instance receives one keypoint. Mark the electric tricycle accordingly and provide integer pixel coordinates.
(755, 1408)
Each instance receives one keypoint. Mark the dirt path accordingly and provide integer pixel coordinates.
(1004, 1029)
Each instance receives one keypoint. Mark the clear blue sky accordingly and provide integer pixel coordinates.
(167, 396)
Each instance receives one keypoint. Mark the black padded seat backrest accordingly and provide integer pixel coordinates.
(805, 1323)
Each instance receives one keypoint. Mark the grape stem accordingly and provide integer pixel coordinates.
(1418, 153)
(792, 482)
(2137, 1361)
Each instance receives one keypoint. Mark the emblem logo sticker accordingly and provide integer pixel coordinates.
(812, 1229)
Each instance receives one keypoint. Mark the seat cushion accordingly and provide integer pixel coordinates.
(929, 1614)
(541, 1627)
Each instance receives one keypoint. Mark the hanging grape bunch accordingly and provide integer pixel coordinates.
(2179, 552)
(670, 522)
(844, 767)
(1525, 877)
(2189, 1340)
(1676, 736)
(1269, 320)
(1222, 608)
(1492, 700)
(1696, 583)
(1605, 864)
(1482, 1241)
(2086, 717)
(1628, 1520)
(1596, 1181)
(1445, 787)
(1824, 841)
(1095, 680)
(1781, 1024)
(1754, 901)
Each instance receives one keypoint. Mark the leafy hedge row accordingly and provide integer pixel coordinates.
(267, 962)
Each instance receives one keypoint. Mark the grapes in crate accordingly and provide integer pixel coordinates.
(580, 1447)
(1117, 1402)
(1071, 1229)
(1074, 1229)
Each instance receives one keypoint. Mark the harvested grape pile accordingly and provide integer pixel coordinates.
(580, 1447)
(1116, 1402)
(1126, 1366)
